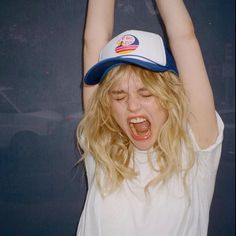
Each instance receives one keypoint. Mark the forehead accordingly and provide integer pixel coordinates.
(128, 81)
(127, 76)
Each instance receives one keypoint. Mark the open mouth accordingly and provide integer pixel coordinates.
(140, 128)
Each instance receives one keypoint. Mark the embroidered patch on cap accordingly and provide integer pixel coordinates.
(128, 43)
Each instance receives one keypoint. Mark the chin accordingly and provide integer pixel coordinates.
(142, 146)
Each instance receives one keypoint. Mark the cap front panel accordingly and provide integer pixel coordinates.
(144, 46)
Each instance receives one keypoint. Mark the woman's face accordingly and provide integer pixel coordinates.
(137, 112)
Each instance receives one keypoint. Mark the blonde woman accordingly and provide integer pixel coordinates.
(150, 134)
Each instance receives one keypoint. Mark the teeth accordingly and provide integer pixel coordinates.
(137, 120)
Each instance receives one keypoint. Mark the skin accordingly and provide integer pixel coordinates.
(98, 31)
(131, 101)
(188, 56)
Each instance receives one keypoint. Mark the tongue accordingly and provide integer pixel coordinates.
(142, 127)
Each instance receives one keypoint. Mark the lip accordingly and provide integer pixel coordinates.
(138, 137)
(136, 116)
(143, 138)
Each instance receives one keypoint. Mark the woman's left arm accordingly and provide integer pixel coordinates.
(187, 53)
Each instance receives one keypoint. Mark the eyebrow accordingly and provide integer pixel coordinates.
(117, 91)
(120, 91)
(143, 90)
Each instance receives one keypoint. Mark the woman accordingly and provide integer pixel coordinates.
(150, 134)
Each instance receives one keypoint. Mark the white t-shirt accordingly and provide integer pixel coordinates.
(168, 211)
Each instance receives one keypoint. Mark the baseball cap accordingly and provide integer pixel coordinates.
(140, 48)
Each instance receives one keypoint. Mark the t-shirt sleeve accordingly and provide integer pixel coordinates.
(90, 169)
(208, 158)
(89, 163)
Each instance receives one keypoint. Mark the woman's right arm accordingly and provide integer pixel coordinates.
(98, 31)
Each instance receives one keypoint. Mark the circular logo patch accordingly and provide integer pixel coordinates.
(128, 43)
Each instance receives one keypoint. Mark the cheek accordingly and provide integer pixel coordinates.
(117, 111)
(162, 115)
(118, 107)
(114, 110)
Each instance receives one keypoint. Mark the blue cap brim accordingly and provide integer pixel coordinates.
(97, 73)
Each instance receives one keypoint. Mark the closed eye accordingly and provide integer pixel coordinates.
(147, 95)
(143, 92)
(118, 95)
(119, 98)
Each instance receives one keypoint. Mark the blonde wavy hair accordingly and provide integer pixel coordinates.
(110, 146)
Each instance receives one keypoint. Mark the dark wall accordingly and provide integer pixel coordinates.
(42, 189)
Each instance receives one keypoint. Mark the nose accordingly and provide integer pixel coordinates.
(133, 103)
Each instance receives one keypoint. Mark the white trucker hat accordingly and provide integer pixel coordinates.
(135, 47)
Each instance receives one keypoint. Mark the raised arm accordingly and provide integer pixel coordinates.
(98, 31)
(189, 60)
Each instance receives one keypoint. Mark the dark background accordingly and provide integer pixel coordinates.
(42, 190)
